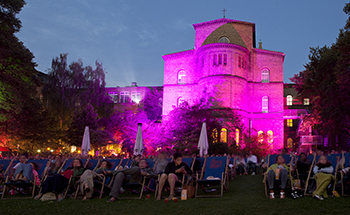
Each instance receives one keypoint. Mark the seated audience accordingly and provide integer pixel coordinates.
(173, 172)
(279, 169)
(323, 175)
(58, 182)
(135, 174)
(23, 170)
(241, 164)
(35, 173)
(252, 160)
(303, 166)
(162, 162)
(87, 179)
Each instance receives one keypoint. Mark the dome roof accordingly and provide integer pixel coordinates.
(228, 31)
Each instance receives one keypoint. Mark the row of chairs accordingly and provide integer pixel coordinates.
(339, 162)
(213, 171)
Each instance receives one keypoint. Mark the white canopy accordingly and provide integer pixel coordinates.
(203, 145)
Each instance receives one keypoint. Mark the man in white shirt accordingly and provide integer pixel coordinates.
(251, 162)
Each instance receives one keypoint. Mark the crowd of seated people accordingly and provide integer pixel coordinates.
(169, 172)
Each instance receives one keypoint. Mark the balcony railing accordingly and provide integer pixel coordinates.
(311, 140)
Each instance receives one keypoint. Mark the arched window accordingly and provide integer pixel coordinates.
(215, 135)
(180, 100)
(265, 76)
(224, 40)
(265, 104)
(289, 143)
(181, 77)
(269, 136)
(237, 136)
(260, 136)
(220, 59)
(289, 100)
(225, 59)
(223, 135)
(215, 59)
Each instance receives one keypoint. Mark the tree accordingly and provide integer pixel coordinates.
(76, 97)
(22, 120)
(326, 81)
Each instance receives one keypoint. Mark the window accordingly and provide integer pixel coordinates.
(260, 136)
(289, 143)
(225, 59)
(182, 77)
(269, 136)
(289, 100)
(239, 62)
(237, 136)
(136, 97)
(215, 135)
(289, 123)
(114, 97)
(124, 97)
(220, 59)
(265, 76)
(243, 63)
(224, 40)
(223, 135)
(214, 59)
(306, 101)
(180, 100)
(265, 104)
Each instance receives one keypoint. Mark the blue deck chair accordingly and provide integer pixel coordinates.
(92, 164)
(25, 185)
(214, 174)
(189, 162)
(6, 165)
(271, 159)
(345, 180)
(201, 166)
(151, 163)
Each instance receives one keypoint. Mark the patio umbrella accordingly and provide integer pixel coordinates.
(85, 146)
(138, 147)
(4, 149)
(203, 145)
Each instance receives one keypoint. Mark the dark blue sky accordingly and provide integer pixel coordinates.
(130, 37)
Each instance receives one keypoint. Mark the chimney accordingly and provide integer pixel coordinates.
(133, 84)
(260, 44)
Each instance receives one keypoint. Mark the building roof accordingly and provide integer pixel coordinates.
(226, 30)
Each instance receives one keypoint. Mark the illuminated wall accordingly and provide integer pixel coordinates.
(226, 63)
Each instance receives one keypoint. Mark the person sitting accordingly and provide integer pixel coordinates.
(23, 170)
(54, 167)
(127, 175)
(241, 164)
(323, 175)
(252, 160)
(35, 173)
(58, 182)
(303, 166)
(87, 179)
(135, 161)
(173, 171)
(162, 163)
(279, 169)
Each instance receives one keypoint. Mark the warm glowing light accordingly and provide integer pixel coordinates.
(269, 136)
(48, 149)
(260, 136)
(51, 150)
(223, 135)
(73, 149)
(237, 136)
(158, 148)
(79, 152)
(215, 135)
(39, 150)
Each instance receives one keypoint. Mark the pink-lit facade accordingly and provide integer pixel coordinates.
(226, 63)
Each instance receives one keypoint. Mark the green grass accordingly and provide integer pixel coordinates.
(246, 196)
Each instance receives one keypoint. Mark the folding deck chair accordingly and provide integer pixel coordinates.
(25, 185)
(215, 170)
(271, 159)
(345, 180)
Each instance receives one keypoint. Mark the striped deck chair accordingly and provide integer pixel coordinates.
(215, 170)
(271, 159)
(18, 186)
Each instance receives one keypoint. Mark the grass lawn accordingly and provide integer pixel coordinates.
(246, 196)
